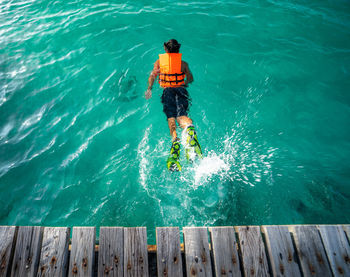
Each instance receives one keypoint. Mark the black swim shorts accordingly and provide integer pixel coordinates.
(175, 102)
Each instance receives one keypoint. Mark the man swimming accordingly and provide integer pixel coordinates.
(174, 75)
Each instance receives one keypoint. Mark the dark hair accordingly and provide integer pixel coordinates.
(172, 46)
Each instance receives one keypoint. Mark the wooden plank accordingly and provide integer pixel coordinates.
(27, 252)
(281, 251)
(252, 248)
(54, 252)
(169, 262)
(135, 252)
(82, 256)
(197, 251)
(110, 256)
(224, 246)
(347, 231)
(310, 250)
(337, 248)
(8, 235)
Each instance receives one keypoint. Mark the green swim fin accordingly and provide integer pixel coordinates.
(193, 148)
(173, 163)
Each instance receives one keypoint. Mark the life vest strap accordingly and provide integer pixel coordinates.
(171, 75)
(175, 74)
(179, 81)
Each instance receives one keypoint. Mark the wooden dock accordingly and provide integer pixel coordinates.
(295, 250)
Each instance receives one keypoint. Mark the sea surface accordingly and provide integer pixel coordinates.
(80, 144)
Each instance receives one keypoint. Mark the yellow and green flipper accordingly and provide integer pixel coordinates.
(193, 148)
(173, 163)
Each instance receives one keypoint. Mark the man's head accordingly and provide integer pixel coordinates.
(172, 46)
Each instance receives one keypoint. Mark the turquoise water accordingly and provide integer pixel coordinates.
(80, 145)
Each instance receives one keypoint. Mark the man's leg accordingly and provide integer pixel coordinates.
(172, 127)
(184, 121)
(193, 147)
(173, 163)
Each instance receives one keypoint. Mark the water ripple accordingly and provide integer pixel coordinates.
(33, 119)
(85, 145)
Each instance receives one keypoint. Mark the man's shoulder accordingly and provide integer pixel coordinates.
(184, 66)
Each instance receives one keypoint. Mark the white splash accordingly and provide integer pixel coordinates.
(209, 166)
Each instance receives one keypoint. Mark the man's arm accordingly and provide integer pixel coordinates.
(188, 73)
(152, 77)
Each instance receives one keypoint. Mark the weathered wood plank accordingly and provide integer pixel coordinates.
(8, 235)
(310, 250)
(169, 262)
(252, 248)
(197, 251)
(27, 252)
(224, 246)
(135, 252)
(111, 248)
(281, 251)
(347, 231)
(81, 262)
(337, 248)
(54, 252)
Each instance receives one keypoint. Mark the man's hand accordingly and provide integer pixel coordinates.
(148, 93)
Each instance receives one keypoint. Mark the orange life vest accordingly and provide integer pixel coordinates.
(170, 70)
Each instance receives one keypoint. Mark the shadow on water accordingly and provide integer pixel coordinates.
(324, 199)
(126, 87)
